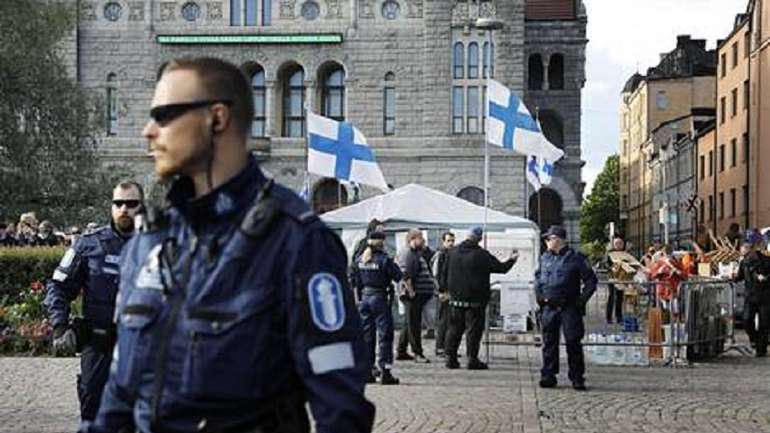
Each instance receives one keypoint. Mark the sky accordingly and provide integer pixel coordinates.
(628, 35)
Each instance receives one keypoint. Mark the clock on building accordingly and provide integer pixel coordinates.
(310, 10)
(390, 9)
(191, 11)
(112, 11)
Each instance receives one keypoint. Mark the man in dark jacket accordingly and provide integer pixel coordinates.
(466, 270)
(442, 313)
(562, 303)
(754, 271)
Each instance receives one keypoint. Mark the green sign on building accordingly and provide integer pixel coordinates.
(325, 38)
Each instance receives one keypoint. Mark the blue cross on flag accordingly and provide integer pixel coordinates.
(510, 126)
(539, 172)
(339, 150)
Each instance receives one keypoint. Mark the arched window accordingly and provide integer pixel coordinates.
(485, 61)
(258, 90)
(458, 60)
(472, 194)
(328, 195)
(112, 104)
(549, 212)
(333, 93)
(535, 72)
(556, 72)
(473, 61)
(552, 126)
(294, 102)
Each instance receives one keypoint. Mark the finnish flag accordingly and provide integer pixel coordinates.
(539, 172)
(339, 150)
(510, 125)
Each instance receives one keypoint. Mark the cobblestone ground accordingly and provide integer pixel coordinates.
(727, 395)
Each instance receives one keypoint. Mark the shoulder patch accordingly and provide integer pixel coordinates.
(66, 261)
(326, 302)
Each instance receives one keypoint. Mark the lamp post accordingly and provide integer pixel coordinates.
(489, 25)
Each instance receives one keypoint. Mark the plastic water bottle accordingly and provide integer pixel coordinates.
(600, 354)
(619, 352)
(590, 349)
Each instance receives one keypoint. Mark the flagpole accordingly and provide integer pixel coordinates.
(526, 191)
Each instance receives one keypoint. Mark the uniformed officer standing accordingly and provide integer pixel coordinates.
(562, 303)
(92, 265)
(371, 277)
(234, 308)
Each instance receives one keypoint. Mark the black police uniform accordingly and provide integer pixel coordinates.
(757, 299)
(91, 265)
(558, 292)
(234, 311)
(372, 280)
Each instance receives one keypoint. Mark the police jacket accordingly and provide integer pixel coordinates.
(91, 265)
(558, 279)
(377, 273)
(752, 265)
(234, 311)
(467, 268)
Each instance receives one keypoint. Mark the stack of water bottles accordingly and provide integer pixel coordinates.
(602, 353)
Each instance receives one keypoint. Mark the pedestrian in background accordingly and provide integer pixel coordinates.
(614, 293)
(562, 300)
(419, 286)
(467, 268)
(442, 297)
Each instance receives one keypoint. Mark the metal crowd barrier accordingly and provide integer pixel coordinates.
(695, 324)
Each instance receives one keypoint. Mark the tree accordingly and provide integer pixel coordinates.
(48, 124)
(601, 206)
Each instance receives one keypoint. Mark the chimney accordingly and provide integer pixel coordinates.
(682, 40)
(700, 43)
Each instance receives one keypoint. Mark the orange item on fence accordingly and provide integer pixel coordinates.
(655, 332)
(668, 273)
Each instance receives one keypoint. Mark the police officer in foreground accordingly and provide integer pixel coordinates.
(233, 309)
(562, 303)
(465, 272)
(754, 271)
(92, 265)
(371, 276)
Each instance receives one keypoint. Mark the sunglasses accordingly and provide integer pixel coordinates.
(129, 204)
(165, 114)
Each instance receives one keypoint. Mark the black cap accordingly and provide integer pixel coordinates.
(556, 231)
(377, 235)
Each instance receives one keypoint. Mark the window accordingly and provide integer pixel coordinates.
(486, 65)
(459, 61)
(556, 72)
(732, 202)
(746, 95)
(661, 100)
(473, 110)
(458, 103)
(723, 64)
(734, 152)
(702, 167)
(734, 102)
(473, 61)
(535, 71)
(702, 212)
(389, 107)
(294, 103)
(722, 109)
(492, 60)
(483, 109)
(112, 105)
(735, 54)
(258, 90)
(711, 163)
(711, 207)
(333, 94)
(721, 205)
(245, 12)
(472, 194)
(721, 158)
(745, 141)
(745, 199)
(746, 44)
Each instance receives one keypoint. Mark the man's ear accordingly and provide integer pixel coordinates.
(221, 118)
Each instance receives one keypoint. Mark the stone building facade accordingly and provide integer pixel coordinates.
(410, 74)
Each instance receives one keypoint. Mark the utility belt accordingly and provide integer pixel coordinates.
(284, 414)
(370, 290)
(558, 302)
(102, 339)
(466, 304)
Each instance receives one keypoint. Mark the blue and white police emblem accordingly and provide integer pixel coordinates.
(327, 305)
(149, 274)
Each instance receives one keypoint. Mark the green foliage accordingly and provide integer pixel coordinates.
(594, 251)
(602, 206)
(48, 124)
(21, 266)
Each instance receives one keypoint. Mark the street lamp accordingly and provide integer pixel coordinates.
(490, 25)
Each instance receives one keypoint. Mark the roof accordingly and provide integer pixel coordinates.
(544, 10)
(633, 83)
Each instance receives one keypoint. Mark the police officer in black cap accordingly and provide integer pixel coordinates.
(371, 276)
(92, 266)
(562, 302)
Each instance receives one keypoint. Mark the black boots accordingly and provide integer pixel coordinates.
(386, 378)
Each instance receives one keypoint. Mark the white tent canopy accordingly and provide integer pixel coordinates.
(415, 205)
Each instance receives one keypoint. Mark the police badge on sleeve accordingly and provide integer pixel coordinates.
(327, 305)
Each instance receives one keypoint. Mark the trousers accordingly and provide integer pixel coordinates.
(412, 335)
(469, 321)
(569, 320)
(94, 371)
(377, 323)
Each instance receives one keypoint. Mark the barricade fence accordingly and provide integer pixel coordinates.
(694, 323)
